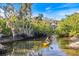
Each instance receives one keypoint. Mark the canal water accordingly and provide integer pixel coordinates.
(35, 48)
(53, 49)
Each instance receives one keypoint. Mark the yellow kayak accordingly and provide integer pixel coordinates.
(44, 45)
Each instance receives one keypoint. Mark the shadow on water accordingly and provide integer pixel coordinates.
(53, 49)
(34, 48)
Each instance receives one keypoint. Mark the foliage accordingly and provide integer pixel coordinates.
(41, 27)
(5, 29)
(40, 16)
(20, 22)
(68, 26)
(37, 25)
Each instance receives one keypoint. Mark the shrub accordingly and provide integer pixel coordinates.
(68, 26)
(42, 27)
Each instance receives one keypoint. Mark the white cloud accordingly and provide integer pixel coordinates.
(66, 5)
(69, 5)
(77, 11)
(63, 13)
(2, 13)
(48, 8)
(60, 13)
(1, 10)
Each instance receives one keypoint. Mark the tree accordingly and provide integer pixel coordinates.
(25, 14)
(42, 27)
(39, 17)
(69, 26)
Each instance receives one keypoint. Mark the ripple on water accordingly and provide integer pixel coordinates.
(51, 50)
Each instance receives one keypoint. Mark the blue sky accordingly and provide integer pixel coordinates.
(55, 10)
(52, 10)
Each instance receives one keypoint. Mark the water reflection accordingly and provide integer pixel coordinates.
(53, 49)
(34, 48)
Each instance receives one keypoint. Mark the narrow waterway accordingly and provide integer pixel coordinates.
(53, 49)
(34, 48)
